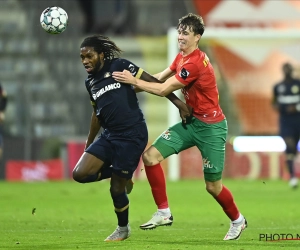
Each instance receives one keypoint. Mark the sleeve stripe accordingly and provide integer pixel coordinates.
(139, 73)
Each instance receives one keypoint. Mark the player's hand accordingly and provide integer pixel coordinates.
(125, 77)
(185, 112)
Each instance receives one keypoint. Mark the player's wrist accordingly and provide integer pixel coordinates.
(135, 82)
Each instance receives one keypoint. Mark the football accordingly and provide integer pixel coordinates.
(54, 20)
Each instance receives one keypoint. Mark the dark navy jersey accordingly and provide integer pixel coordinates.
(116, 104)
(285, 94)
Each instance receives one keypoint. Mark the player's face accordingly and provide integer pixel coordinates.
(91, 60)
(187, 40)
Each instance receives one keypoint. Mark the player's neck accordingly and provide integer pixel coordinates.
(288, 78)
(188, 51)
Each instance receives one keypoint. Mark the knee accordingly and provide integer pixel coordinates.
(210, 189)
(77, 174)
(146, 158)
(116, 190)
(214, 188)
(151, 157)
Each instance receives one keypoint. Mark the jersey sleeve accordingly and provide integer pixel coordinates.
(187, 73)
(173, 66)
(123, 64)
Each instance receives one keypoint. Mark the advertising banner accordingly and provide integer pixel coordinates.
(34, 170)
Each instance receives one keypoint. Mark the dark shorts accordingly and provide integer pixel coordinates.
(122, 150)
(290, 127)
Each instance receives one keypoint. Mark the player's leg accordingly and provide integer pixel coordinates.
(225, 199)
(211, 142)
(170, 142)
(289, 131)
(1, 147)
(156, 178)
(86, 171)
(290, 155)
(121, 205)
(94, 164)
(127, 150)
(87, 168)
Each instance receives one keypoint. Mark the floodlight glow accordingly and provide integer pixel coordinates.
(259, 144)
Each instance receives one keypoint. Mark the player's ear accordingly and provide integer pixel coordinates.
(101, 56)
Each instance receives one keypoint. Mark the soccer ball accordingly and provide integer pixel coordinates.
(54, 20)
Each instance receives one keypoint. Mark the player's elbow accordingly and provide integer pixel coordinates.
(163, 92)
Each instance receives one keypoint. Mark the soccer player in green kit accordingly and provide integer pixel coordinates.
(192, 72)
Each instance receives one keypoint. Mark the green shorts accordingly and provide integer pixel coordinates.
(210, 139)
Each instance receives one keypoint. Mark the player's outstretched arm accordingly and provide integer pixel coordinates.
(184, 111)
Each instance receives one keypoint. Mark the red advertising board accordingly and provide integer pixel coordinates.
(34, 170)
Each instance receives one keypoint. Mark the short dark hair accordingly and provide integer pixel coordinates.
(102, 44)
(195, 22)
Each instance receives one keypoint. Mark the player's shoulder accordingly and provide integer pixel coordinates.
(200, 59)
(119, 64)
(119, 61)
(198, 55)
(88, 80)
(279, 87)
(277, 84)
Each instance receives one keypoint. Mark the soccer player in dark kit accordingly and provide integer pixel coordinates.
(116, 152)
(192, 72)
(286, 100)
(3, 103)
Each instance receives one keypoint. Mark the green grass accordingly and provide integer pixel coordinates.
(76, 216)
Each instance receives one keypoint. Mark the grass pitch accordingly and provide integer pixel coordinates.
(69, 215)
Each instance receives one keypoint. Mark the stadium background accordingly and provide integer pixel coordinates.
(48, 111)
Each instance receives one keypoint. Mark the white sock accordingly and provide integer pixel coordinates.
(164, 211)
(238, 220)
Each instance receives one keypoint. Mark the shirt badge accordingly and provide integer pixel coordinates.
(107, 74)
(184, 73)
(132, 69)
(295, 89)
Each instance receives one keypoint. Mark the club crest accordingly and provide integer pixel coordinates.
(107, 74)
(166, 135)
